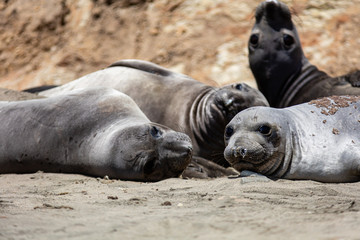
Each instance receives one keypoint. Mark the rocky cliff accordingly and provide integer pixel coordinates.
(56, 41)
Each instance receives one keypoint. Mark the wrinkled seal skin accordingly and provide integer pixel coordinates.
(94, 132)
(176, 101)
(282, 72)
(319, 140)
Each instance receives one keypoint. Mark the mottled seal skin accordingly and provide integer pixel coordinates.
(282, 72)
(319, 140)
(176, 100)
(95, 132)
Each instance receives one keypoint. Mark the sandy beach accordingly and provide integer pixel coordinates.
(68, 206)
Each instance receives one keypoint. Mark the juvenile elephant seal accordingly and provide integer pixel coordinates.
(176, 101)
(319, 140)
(282, 72)
(94, 132)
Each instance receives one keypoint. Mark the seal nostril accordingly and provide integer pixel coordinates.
(272, 1)
(155, 132)
(229, 102)
(150, 166)
(189, 149)
(235, 152)
(239, 151)
(243, 152)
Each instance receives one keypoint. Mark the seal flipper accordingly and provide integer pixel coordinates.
(202, 168)
(143, 66)
(353, 78)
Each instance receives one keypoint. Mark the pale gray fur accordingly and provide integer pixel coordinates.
(306, 141)
(95, 132)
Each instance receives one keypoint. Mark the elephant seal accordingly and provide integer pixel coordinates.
(319, 140)
(282, 72)
(94, 132)
(175, 100)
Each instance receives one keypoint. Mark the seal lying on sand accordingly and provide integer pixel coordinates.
(319, 140)
(282, 72)
(95, 132)
(176, 101)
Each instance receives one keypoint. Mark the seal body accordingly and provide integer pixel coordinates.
(95, 132)
(175, 100)
(282, 72)
(319, 140)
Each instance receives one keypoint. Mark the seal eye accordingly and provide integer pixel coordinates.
(288, 40)
(265, 130)
(254, 39)
(155, 132)
(239, 86)
(229, 131)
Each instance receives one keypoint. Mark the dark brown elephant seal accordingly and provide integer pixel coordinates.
(95, 132)
(319, 140)
(175, 100)
(282, 72)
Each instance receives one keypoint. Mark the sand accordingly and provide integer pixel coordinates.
(70, 206)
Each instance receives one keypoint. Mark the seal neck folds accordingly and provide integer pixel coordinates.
(307, 74)
(207, 124)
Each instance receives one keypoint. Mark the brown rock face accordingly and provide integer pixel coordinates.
(53, 42)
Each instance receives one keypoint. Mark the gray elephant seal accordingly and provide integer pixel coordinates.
(318, 140)
(95, 132)
(176, 101)
(282, 72)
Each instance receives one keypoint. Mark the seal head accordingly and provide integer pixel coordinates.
(152, 151)
(274, 49)
(212, 111)
(257, 143)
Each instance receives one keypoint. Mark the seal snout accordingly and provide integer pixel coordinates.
(183, 150)
(273, 10)
(270, 7)
(176, 152)
(272, 3)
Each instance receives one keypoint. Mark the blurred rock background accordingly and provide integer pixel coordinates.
(56, 41)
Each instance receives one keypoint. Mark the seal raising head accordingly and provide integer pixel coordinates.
(275, 51)
(316, 141)
(282, 72)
